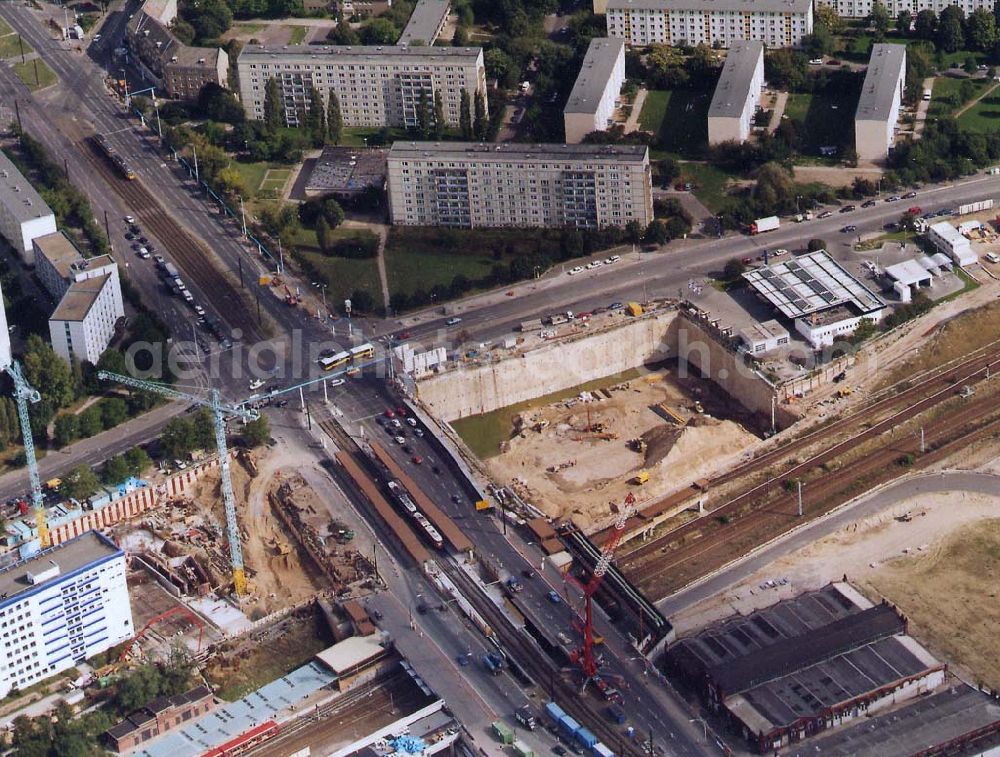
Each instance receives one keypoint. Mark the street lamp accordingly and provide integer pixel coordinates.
(125, 83)
(322, 287)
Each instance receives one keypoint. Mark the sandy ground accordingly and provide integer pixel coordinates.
(566, 471)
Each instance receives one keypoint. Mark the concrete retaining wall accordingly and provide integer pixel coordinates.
(551, 368)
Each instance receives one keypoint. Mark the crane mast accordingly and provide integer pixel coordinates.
(219, 413)
(23, 394)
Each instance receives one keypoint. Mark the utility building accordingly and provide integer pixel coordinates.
(881, 97)
(948, 240)
(23, 213)
(591, 104)
(737, 95)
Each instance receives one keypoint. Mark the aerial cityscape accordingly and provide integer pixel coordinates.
(499, 377)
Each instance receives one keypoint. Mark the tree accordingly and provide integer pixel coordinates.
(258, 432)
(323, 232)
(828, 17)
(925, 25)
(137, 461)
(439, 122)
(633, 232)
(379, 31)
(816, 244)
(66, 429)
(951, 29)
(203, 429)
(904, 20)
(79, 483)
(423, 115)
(49, 373)
(465, 116)
(220, 104)
(316, 118)
(90, 422)
(362, 301)
(878, 20)
(733, 269)
(333, 214)
(334, 120)
(656, 233)
(274, 110)
(178, 437)
(775, 188)
(480, 124)
(971, 64)
(502, 67)
(981, 30)
(115, 470)
(114, 411)
(461, 38)
(819, 43)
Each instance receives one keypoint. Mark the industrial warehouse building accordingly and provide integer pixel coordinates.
(23, 213)
(376, 86)
(825, 302)
(950, 241)
(881, 97)
(863, 8)
(737, 94)
(470, 185)
(61, 607)
(591, 104)
(426, 23)
(717, 23)
(791, 670)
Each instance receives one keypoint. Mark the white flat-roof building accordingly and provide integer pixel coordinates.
(591, 104)
(823, 299)
(762, 337)
(470, 185)
(23, 213)
(717, 23)
(83, 323)
(863, 8)
(737, 94)
(881, 96)
(58, 263)
(948, 240)
(60, 607)
(426, 23)
(907, 276)
(376, 86)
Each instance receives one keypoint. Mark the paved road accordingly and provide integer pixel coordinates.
(883, 499)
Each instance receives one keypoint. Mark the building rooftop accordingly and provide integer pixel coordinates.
(70, 556)
(811, 283)
(162, 10)
(885, 68)
(478, 151)
(908, 272)
(347, 170)
(351, 652)
(260, 53)
(426, 19)
(80, 298)
(733, 89)
(195, 57)
(770, 6)
(948, 233)
(595, 72)
(60, 252)
(769, 329)
(17, 194)
(154, 39)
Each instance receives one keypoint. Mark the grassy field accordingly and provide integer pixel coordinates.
(984, 116)
(35, 74)
(297, 34)
(343, 275)
(710, 181)
(274, 181)
(5, 28)
(9, 46)
(411, 268)
(679, 119)
(828, 119)
(262, 178)
(946, 89)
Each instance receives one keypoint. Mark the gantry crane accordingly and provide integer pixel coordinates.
(219, 413)
(23, 394)
(584, 656)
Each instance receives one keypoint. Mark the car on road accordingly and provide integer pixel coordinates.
(129, 236)
(160, 260)
(256, 384)
(400, 440)
(909, 195)
(575, 270)
(825, 214)
(199, 310)
(412, 422)
(777, 253)
(894, 198)
(129, 220)
(453, 321)
(746, 261)
(848, 209)
(915, 210)
(144, 253)
(417, 460)
(594, 264)
(869, 204)
(403, 335)
(463, 659)
(560, 750)
(528, 573)
(991, 257)
(419, 433)
(553, 597)
(815, 61)
(143, 240)
(389, 413)
(849, 229)
(282, 403)
(337, 382)
(613, 259)
(615, 306)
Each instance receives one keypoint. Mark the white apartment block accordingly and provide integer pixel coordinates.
(776, 23)
(863, 8)
(83, 324)
(881, 96)
(737, 95)
(60, 607)
(591, 104)
(23, 213)
(58, 263)
(376, 86)
(426, 23)
(475, 185)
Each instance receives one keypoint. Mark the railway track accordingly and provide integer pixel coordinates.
(738, 526)
(190, 255)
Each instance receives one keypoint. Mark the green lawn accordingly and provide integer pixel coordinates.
(412, 268)
(263, 177)
(35, 74)
(828, 119)
(9, 46)
(710, 182)
(946, 97)
(297, 34)
(679, 119)
(344, 275)
(5, 28)
(984, 116)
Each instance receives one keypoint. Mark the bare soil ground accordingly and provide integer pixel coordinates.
(566, 470)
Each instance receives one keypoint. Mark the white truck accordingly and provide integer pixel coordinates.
(771, 223)
(807, 216)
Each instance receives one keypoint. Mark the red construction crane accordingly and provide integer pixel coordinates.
(585, 655)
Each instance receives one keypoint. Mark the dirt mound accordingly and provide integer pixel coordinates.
(659, 441)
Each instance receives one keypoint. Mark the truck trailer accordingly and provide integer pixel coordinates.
(771, 223)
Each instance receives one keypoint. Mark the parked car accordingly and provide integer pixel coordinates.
(849, 229)
(453, 321)
(815, 61)
(848, 209)
(869, 204)
(909, 195)
(825, 214)
(553, 597)
(894, 198)
(575, 270)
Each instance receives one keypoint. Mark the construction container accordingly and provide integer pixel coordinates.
(640, 478)
(599, 750)
(633, 308)
(585, 738)
(523, 750)
(503, 732)
(555, 712)
(568, 727)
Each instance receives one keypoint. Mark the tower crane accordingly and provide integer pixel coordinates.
(23, 394)
(219, 413)
(585, 655)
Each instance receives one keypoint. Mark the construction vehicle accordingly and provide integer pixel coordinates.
(844, 391)
(633, 308)
(637, 445)
(281, 548)
(640, 478)
(219, 413)
(23, 394)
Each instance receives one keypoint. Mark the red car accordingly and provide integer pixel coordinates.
(915, 210)
(401, 411)
(389, 413)
(417, 459)
(404, 335)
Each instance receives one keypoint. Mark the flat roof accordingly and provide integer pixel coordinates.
(59, 251)
(908, 272)
(769, 6)
(769, 329)
(426, 19)
(810, 283)
(733, 89)
(79, 299)
(598, 65)
(86, 549)
(477, 151)
(364, 52)
(948, 233)
(192, 57)
(886, 66)
(347, 169)
(17, 194)
(351, 652)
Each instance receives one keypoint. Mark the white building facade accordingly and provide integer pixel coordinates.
(471, 185)
(23, 213)
(591, 104)
(83, 324)
(776, 23)
(375, 86)
(863, 8)
(948, 240)
(737, 94)
(881, 98)
(61, 607)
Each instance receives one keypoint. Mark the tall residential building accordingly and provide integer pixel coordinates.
(737, 93)
(881, 96)
(376, 86)
(23, 213)
(426, 22)
(60, 607)
(863, 8)
(591, 104)
(718, 23)
(473, 185)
